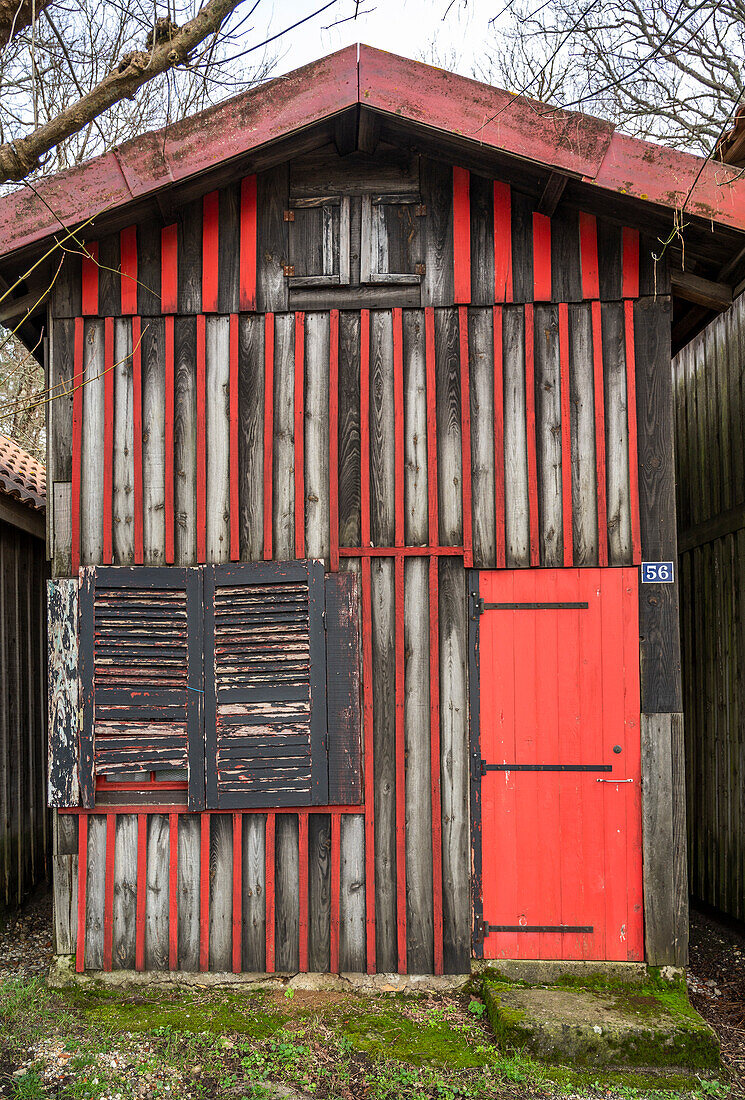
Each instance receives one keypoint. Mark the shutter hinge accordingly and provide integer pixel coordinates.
(477, 767)
(477, 605)
(289, 269)
(420, 269)
(289, 215)
(420, 210)
(479, 930)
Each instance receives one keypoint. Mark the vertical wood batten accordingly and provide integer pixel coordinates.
(217, 439)
(141, 891)
(415, 430)
(287, 900)
(201, 457)
(381, 432)
(235, 550)
(173, 891)
(502, 242)
(566, 438)
(400, 758)
(333, 447)
(94, 907)
(89, 279)
(465, 438)
(269, 891)
(254, 900)
(221, 887)
(80, 957)
(449, 428)
(600, 459)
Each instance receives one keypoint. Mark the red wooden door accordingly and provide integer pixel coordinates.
(561, 827)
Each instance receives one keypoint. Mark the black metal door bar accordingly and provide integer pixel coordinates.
(544, 767)
(532, 606)
(537, 928)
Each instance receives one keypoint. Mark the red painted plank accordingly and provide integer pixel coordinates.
(269, 891)
(400, 768)
(201, 439)
(77, 438)
(169, 269)
(597, 361)
(89, 279)
(588, 249)
(431, 375)
(335, 891)
(615, 795)
(398, 426)
(235, 551)
(128, 268)
(628, 307)
(462, 235)
(247, 276)
(499, 504)
(400, 551)
(527, 731)
(367, 687)
(210, 243)
(237, 892)
(108, 904)
(137, 438)
(268, 431)
(303, 890)
(434, 756)
(204, 893)
(502, 242)
(334, 438)
(108, 440)
(566, 436)
(173, 891)
(465, 437)
(632, 706)
(630, 280)
(365, 427)
(82, 891)
(541, 257)
(169, 442)
(299, 435)
(141, 891)
(530, 433)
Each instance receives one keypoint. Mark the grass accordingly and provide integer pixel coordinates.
(96, 1043)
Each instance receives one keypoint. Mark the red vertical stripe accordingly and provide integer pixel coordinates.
(400, 769)
(303, 888)
(210, 242)
(235, 552)
(137, 436)
(541, 258)
(499, 437)
(237, 893)
(77, 435)
(566, 436)
(431, 374)
(204, 893)
(108, 905)
(630, 283)
(434, 718)
(268, 431)
(335, 889)
(588, 248)
(365, 427)
(128, 267)
(597, 362)
(398, 425)
(628, 307)
(502, 242)
(334, 438)
(530, 434)
(462, 235)
(169, 443)
(201, 438)
(465, 420)
(247, 277)
(82, 891)
(173, 891)
(141, 891)
(89, 279)
(169, 269)
(299, 435)
(367, 685)
(269, 892)
(108, 440)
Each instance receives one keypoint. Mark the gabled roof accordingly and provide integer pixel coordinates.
(476, 115)
(21, 476)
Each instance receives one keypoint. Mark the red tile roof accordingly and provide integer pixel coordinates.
(21, 476)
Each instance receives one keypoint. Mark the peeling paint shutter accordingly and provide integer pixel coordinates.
(141, 675)
(265, 685)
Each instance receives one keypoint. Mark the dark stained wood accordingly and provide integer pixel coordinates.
(287, 900)
(185, 440)
(437, 195)
(109, 277)
(228, 250)
(522, 247)
(190, 258)
(449, 455)
(566, 274)
(148, 268)
(610, 259)
(343, 689)
(251, 436)
(482, 240)
(382, 415)
(272, 241)
(349, 429)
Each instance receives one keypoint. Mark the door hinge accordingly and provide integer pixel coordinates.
(420, 269)
(420, 210)
(289, 215)
(289, 269)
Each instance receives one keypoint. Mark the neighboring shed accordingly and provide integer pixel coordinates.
(23, 687)
(366, 428)
(709, 380)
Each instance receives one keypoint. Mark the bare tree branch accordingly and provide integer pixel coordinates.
(16, 15)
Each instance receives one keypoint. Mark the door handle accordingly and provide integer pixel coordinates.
(614, 780)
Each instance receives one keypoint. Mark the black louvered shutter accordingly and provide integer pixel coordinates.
(141, 674)
(265, 685)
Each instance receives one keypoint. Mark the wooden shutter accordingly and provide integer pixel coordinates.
(141, 674)
(265, 685)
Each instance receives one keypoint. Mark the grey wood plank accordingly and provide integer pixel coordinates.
(272, 241)
(618, 498)
(91, 464)
(65, 879)
(317, 514)
(349, 429)
(287, 894)
(415, 430)
(148, 267)
(522, 207)
(582, 415)
(548, 434)
(190, 258)
(125, 892)
(153, 440)
(384, 727)
(156, 898)
(254, 893)
(517, 519)
(437, 195)
(62, 528)
(482, 240)
(319, 893)
(218, 439)
(481, 365)
(185, 441)
(188, 891)
(283, 481)
(352, 927)
(251, 436)
(95, 887)
(449, 454)
(61, 372)
(123, 473)
(228, 250)
(221, 892)
(566, 274)
(382, 437)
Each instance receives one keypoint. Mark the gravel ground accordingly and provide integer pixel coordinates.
(26, 938)
(716, 984)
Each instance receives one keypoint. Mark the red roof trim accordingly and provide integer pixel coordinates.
(566, 141)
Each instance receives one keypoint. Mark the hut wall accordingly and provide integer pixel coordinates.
(481, 414)
(711, 515)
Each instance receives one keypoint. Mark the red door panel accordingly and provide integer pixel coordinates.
(561, 827)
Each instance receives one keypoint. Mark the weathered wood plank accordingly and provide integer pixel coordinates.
(188, 891)
(317, 515)
(548, 435)
(156, 900)
(352, 899)
(272, 189)
(123, 480)
(63, 787)
(125, 892)
(185, 441)
(218, 439)
(221, 892)
(482, 240)
(618, 496)
(517, 517)
(481, 354)
(384, 725)
(254, 893)
(190, 258)
(153, 440)
(584, 484)
(437, 195)
(382, 439)
(415, 430)
(94, 895)
(91, 473)
(449, 454)
(319, 892)
(251, 436)
(283, 481)
(287, 894)
(349, 429)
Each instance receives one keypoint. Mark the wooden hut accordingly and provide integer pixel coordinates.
(365, 430)
(23, 724)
